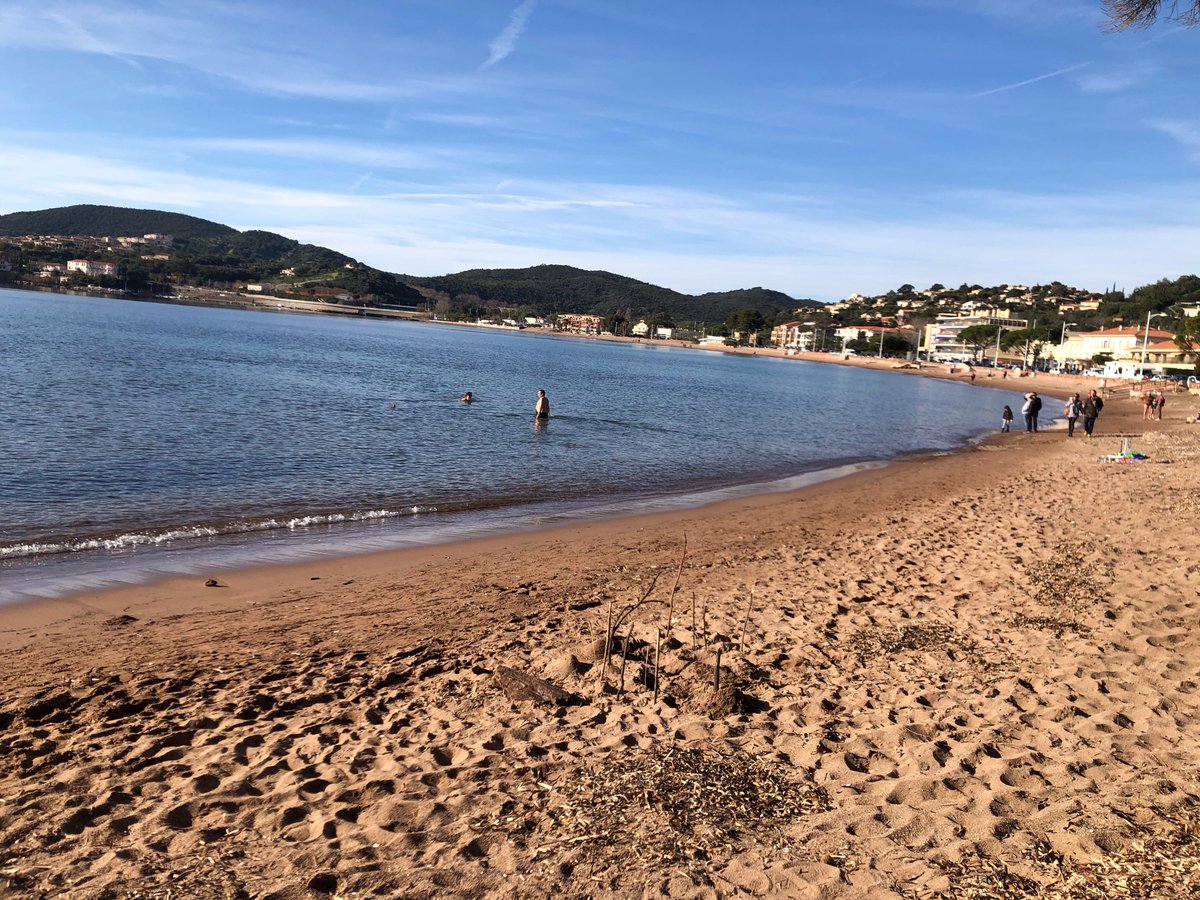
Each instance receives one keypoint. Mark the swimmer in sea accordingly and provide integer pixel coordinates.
(467, 398)
(541, 409)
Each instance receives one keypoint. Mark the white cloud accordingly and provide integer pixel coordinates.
(246, 44)
(329, 151)
(506, 41)
(1185, 133)
(817, 246)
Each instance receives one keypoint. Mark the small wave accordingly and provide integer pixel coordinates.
(130, 540)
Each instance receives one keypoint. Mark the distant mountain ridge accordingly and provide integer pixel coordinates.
(207, 252)
(97, 221)
(566, 289)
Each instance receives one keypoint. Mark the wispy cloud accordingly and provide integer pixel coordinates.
(1109, 83)
(241, 44)
(1028, 81)
(506, 41)
(1185, 133)
(689, 240)
(1119, 77)
(334, 152)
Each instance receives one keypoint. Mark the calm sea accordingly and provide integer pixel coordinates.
(142, 439)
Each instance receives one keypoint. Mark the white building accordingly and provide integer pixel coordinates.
(941, 339)
(792, 336)
(1118, 343)
(88, 267)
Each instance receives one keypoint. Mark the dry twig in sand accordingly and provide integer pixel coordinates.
(1162, 866)
(669, 805)
(1073, 579)
(872, 642)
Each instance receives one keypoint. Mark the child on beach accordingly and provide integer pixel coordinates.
(1006, 418)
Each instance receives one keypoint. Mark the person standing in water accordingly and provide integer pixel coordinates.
(541, 409)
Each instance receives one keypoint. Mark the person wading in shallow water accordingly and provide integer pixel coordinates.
(541, 409)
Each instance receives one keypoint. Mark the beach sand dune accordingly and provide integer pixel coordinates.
(969, 676)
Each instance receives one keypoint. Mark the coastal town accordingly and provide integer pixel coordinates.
(972, 325)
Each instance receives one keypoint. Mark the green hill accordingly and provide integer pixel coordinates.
(204, 254)
(114, 221)
(210, 254)
(549, 289)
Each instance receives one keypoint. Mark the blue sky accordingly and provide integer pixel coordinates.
(816, 149)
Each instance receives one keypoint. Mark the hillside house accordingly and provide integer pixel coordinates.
(91, 267)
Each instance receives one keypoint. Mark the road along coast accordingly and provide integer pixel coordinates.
(957, 673)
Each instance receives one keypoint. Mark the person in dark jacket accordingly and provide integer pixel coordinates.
(1092, 405)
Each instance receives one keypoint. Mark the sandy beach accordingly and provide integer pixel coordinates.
(968, 675)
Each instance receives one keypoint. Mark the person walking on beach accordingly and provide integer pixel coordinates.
(1006, 418)
(1147, 405)
(541, 409)
(1030, 410)
(1092, 405)
(1072, 410)
(1160, 400)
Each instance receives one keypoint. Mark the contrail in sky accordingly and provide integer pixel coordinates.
(506, 41)
(1009, 87)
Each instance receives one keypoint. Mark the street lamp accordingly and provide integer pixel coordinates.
(1145, 341)
(1062, 339)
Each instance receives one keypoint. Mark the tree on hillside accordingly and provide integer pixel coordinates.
(615, 324)
(1123, 14)
(745, 322)
(1187, 337)
(1026, 341)
(659, 320)
(978, 338)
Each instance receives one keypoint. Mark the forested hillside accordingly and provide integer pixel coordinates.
(87, 219)
(550, 289)
(201, 254)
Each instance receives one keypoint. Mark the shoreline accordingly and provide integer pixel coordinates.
(669, 505)
(948, 671)
(141, 562)
(959, 372)
(260, 579)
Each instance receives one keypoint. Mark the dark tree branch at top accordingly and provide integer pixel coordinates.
(1126, 14)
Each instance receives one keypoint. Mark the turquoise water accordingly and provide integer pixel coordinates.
(139, 439)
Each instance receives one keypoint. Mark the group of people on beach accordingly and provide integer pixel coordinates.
(541, 406)
(1089, 408)
(1152, 404)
